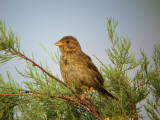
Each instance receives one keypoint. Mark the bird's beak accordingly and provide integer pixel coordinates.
(59, 43)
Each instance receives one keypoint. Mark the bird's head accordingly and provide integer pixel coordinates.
(68, 44)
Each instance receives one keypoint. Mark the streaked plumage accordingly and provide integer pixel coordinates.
(78, 69)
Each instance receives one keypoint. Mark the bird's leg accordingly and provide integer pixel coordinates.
(83, 96)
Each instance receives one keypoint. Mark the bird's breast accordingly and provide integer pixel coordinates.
(74, 70)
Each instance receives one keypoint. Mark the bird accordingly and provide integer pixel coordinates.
(77, 68)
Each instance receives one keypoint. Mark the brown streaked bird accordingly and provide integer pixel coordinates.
(78, 69)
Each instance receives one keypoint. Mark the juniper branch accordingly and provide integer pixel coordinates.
(10, 47)
(82, 102)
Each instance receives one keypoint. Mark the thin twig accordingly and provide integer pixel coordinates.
(26, 91)
(99, 60)
(91, 103)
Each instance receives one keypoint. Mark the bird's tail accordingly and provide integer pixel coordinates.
(105, 93)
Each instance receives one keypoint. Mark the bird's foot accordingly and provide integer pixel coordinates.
(83, 96)
(73, 97)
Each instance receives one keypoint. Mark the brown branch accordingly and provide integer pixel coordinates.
(130, 97)
(39, 95)
(33, 95)
(26, 91)
(50, 75)
(80, 101)
(91, 103)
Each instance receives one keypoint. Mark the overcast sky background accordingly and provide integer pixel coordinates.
(47, 21)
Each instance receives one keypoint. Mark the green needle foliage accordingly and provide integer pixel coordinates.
(129, 90)
(42, 97)
(8, 103)
(153, 106)
(9, 45)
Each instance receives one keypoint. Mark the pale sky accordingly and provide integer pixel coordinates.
(47, 21)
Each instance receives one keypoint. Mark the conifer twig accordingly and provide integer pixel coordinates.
(10, 48)
(80, 101)
(50, 75)
(91, 103)
(99, 60)
(128, 92)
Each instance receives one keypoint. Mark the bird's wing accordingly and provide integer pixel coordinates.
(92, 68)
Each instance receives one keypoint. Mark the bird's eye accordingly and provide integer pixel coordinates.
(67, 42)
